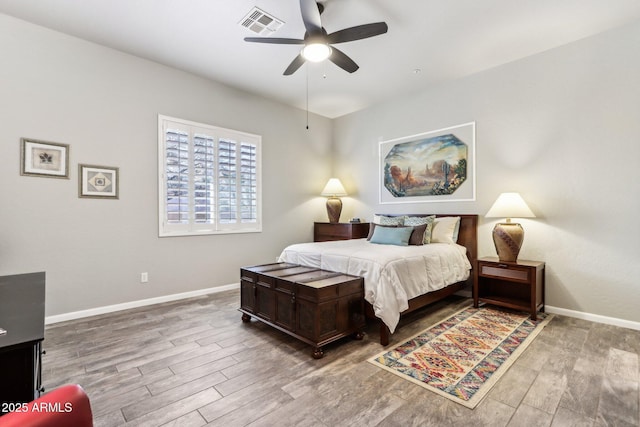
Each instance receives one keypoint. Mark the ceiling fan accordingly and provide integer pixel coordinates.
(318, 44)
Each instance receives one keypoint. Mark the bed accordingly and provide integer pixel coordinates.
(398, 279)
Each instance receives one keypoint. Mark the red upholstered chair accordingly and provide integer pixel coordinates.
(65, 407)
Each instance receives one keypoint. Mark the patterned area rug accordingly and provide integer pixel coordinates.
(462, 357)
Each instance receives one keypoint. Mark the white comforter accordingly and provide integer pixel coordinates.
(392, 274)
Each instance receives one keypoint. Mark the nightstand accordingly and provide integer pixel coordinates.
(517, 285)
(325, 231)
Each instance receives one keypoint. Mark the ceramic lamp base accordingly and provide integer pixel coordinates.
(508, 237)
(334, 208)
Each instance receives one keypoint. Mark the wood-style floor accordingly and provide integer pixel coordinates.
(194, 363)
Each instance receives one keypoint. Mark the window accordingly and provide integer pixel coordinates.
(209, 179)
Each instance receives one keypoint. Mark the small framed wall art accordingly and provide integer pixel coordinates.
(98, 182)
(45, 159)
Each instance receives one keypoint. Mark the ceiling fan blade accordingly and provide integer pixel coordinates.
(295, 64)
(342, 60)
(273, 40)
(311, 17)
(357, 33)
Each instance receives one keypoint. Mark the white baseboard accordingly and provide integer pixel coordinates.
(174, 297)
(134, 304)
(593, 317)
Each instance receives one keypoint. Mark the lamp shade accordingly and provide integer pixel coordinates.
(510, 205)
(333, 188)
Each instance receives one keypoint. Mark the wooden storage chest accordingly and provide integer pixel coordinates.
(313, 305)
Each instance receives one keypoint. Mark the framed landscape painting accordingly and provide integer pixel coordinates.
(435, 166)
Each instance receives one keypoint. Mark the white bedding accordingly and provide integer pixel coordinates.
(392, 274)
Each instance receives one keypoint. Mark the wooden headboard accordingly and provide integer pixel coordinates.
(468, 235)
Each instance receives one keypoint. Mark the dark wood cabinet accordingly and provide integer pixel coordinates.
(22, 322)
(517, 285)
(313, 305)
(326, 231)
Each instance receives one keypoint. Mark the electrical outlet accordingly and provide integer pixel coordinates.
(144, 277)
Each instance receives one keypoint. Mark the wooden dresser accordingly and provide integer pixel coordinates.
(22, 298)
(315, 306)
(325, 231)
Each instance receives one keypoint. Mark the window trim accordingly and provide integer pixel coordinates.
(217, 227)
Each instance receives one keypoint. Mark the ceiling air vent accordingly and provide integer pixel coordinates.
(260, 22)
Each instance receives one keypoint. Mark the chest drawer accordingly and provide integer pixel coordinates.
(334, 230)
(324, 231)
(505, 272)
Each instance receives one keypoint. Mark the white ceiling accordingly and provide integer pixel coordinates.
(445, 39)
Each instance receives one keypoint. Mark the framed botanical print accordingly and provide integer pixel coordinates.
(44, 159)
(100, 182)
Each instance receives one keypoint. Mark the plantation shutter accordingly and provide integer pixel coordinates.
(209, 179)
(177, 176)
(203, 179)
(227, 190)
(248, 183)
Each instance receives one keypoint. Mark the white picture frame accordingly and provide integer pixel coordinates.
(434, 166)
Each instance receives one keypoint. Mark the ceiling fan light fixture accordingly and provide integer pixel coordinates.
(316, 52)
(318, 45)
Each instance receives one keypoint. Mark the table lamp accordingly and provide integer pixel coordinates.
(334, 190)
(508, 236)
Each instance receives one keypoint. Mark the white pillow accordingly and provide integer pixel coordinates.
(445, 229)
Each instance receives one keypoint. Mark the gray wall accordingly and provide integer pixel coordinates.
(105, 105)
(563, 129)
(560, 127)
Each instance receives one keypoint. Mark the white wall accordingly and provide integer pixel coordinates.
(105, 105)
(563, 129)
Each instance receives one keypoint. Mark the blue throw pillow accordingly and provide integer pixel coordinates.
(392, 235)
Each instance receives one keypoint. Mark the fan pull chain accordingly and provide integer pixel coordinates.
(306, 66)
